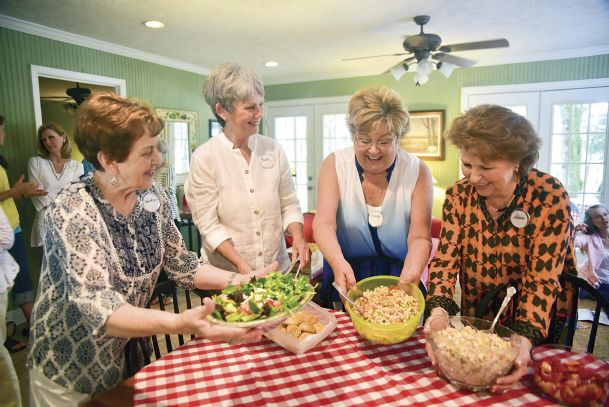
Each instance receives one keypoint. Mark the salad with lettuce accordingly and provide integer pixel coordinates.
(262, 298)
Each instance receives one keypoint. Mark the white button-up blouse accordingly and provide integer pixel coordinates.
(251, 204)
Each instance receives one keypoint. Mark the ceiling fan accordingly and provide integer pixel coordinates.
(75, 96)
(425, 46)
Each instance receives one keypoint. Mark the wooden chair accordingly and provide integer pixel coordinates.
(602, 304)
(138, 350)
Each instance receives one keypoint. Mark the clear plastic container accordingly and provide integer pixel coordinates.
(297, 346)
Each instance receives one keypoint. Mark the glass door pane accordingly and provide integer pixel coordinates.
(576, 121)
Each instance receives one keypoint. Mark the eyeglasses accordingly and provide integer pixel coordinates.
(380, 144)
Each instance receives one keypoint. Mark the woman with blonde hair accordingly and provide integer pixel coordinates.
(374, 199)
(53, 169)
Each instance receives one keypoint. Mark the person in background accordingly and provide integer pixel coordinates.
(87, 166)
(594, 242)
(506, 223)
(374, 199)
(107, 237)
(240, 189)
(165, 176)
(23, 294)
(8, 272)
(52, 170)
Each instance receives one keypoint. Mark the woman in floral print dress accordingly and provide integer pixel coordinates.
(107, 237)
(504, 223)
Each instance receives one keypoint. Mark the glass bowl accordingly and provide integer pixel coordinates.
(470, 356)
(571, 378)
(386, 334)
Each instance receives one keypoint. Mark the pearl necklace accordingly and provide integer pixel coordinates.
(491, 207)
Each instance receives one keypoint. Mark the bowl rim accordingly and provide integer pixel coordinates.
(355, 315)
(535, 350)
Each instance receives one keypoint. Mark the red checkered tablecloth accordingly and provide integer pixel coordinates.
(343, 370)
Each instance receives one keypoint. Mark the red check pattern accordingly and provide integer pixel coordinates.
(343, 370)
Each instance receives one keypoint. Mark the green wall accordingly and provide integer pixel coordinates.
(172, 88)
(445, 94)
(161, 86)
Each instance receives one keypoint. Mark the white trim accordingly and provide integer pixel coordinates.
(38, 71)
(98, 45)
(308, 101)
(530, 87)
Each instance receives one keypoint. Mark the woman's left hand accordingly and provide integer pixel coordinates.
(521, 365)
(196, 318)
(245, 278)
(300, 248)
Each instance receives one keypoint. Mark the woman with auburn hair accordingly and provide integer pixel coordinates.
(107, 238)
(504, 224)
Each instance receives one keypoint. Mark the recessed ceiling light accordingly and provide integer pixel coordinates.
(271, 64)
(154, 24)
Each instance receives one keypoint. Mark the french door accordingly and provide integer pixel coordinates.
(308, 130)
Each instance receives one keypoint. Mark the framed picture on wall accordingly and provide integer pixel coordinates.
(214, 127)
(426, 136)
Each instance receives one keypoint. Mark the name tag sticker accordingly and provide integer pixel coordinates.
(151, 202)
(519, 218)
(267, 161)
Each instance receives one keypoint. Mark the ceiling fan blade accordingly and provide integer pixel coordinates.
(374, 56)
(455, 60)
(469, 46)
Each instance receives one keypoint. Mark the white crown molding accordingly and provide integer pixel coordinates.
(63, 36)
(549, 56)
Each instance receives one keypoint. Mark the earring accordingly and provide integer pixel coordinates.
(114, 181)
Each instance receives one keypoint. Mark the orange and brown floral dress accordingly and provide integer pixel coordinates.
(485, 254)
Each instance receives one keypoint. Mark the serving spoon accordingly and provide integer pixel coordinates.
(344, 295)
(508, 296)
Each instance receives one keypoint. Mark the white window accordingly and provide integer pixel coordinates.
(308, 130)
(571, 118)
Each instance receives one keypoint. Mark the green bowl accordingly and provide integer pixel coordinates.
(386, 334)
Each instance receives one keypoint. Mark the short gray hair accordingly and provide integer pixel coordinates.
(228, 83)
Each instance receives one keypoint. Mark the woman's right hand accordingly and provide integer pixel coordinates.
(27, 189)
(582, 227)
(344, 276)
(196, 321)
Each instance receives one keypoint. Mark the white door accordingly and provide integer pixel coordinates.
(308, 131)
(574, 123)
(293, 127)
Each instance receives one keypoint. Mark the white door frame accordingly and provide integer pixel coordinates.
(42, 71)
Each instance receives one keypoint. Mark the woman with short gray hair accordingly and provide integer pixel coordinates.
(240, 189)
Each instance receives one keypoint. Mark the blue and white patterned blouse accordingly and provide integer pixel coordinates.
(95, 261)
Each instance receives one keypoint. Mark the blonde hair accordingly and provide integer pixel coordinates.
(370, 107)
(66, 148)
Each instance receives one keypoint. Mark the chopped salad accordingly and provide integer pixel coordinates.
(262, 298)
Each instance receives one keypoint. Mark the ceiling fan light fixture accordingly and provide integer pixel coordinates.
(446, 69)
(398, 71)
(421, 78)
(424, 67)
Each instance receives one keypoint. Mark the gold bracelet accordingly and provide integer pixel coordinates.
(231, 278)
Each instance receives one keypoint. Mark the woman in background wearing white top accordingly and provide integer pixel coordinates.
(53, 170)
(240, 189)
(8, 272)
